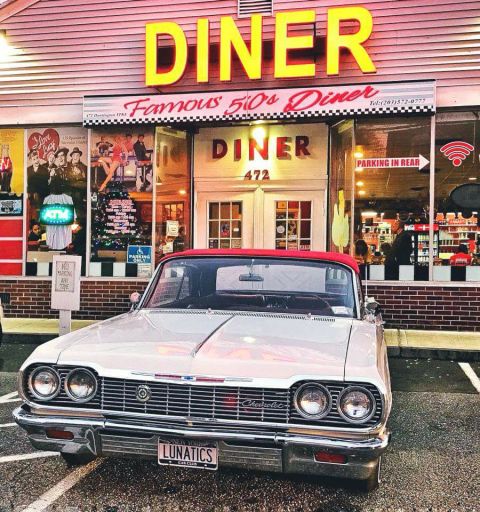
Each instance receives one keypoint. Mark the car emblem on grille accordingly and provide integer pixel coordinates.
(262, 404)
(144, 393)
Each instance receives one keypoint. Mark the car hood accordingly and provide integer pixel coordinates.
(223, 344)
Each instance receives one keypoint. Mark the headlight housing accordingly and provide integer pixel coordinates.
(356, 404)
(44, 383)
(312, 401)
(81, 385)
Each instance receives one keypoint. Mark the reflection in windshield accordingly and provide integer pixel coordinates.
(255, 284)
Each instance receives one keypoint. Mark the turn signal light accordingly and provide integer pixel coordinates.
(58, 434)
(334, 458)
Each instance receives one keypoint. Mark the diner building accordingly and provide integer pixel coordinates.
(131, 129)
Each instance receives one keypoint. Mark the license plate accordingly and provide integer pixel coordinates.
(188, 453)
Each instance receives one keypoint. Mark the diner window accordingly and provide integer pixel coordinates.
(11, 201)
(56, 209)
(340, 188)
(293, 228)
(457, 196)
(173, 191)
(121, 171)
(225, 225)
(388, 195)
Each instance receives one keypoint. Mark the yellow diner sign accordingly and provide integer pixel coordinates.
(250, 54)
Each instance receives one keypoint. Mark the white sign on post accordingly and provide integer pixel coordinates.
(66, 289)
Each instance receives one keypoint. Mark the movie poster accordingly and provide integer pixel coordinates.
(121, 177)
(11, 172)
(57, 183)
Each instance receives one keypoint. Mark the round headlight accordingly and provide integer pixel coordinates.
(81, 385)
(312, 401)
(44, 383)
(356, 405)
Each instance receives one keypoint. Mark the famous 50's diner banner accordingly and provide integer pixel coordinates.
(304, 102)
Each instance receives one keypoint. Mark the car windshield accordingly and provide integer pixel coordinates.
(276, 285)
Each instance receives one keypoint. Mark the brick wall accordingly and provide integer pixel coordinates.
(406, 307)
(98, 299)
(429, 307)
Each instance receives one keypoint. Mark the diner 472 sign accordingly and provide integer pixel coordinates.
(299, 102)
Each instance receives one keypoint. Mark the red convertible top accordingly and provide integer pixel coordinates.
(335, 257)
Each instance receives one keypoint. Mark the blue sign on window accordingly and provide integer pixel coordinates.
(139, 254)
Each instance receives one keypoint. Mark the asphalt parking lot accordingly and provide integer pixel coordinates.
(433, 463)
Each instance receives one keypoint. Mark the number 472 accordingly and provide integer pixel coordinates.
(257, 175)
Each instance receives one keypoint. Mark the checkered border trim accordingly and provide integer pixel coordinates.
(102, 269)
(409, 109)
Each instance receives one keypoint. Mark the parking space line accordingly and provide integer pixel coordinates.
(5, 425)
(58, 490)
(9, 397)
(470, 373)
(27, 456)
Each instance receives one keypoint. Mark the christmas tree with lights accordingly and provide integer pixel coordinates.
(115, 222)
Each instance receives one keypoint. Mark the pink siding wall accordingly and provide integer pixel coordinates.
(68, 49)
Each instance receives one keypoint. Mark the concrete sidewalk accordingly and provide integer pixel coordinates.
(436, 344)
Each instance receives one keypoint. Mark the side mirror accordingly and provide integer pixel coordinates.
(372, 308)
(135, 300)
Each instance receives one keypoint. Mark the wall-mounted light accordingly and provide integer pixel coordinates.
(358, 153)
(5, 49)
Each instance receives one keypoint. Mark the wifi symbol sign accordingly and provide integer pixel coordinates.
(457, 151)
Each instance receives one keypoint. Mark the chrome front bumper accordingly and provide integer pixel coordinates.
(261, 450)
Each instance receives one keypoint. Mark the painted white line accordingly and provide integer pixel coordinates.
(11, 401)
(27, 456)
(8, 396)
(5, 425)
(469, 372)
(57, 491)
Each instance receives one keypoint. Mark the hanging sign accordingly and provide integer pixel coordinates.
(389, 163)
(299, 102)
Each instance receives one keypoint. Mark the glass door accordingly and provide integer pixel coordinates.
(294, 221)
(225, 220)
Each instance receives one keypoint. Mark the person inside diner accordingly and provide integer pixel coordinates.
(362, 252)
(34, 236)
(461, 258)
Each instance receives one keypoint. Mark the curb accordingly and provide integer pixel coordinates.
(467, 356)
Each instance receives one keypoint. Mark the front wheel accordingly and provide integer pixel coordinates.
(75, 459)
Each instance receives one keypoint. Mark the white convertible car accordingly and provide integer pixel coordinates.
(267, 360)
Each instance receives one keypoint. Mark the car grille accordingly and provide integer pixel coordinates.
(179, 401)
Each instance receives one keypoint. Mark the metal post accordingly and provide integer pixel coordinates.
(432, 198)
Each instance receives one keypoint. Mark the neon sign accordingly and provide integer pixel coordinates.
(251, 55)
(56, 215)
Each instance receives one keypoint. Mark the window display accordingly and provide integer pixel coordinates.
(388, 191)
(173, 196)
(121, 171)
(457, 165)
(56, 181)
(11, 201)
